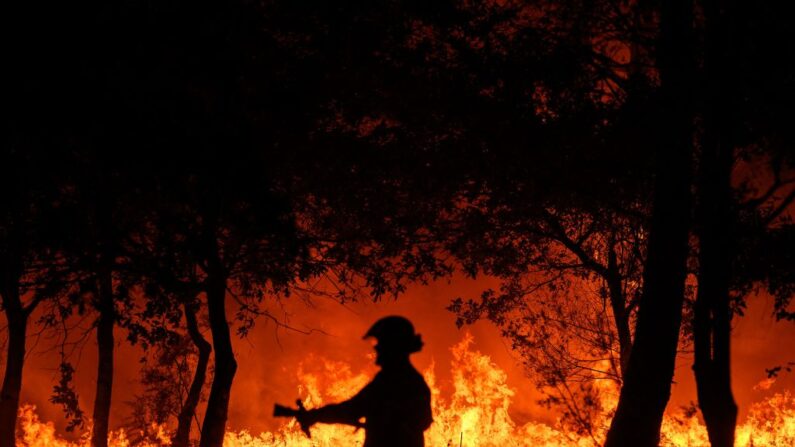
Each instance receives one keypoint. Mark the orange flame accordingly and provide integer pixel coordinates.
(475, 414)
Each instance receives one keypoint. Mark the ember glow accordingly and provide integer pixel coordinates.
(474, 414)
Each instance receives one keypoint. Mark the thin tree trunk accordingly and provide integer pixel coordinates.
(620, 312)
(182, 436)
(214, 425)
(712, 313)
(647, 381)
(17, 319)
(105, 342)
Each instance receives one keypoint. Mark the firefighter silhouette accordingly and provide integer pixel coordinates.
(396, 404)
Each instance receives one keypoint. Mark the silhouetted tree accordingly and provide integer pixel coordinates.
(647, 381)
(104, 204)
(172, 391)
(159, 328)
(192, 398)
(739, 121)
(29, 194)
(571, 285)
(32, 268)
(84, 147)
(715, 225)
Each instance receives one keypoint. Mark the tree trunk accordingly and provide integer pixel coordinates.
(182, 436)
(647, 381)
(105, 323)
(712, 313)
(12, 382)
(620, 313)
(214, 425)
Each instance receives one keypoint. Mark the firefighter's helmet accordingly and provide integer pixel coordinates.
(396, 334)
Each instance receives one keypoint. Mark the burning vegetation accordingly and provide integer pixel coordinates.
(476, 414)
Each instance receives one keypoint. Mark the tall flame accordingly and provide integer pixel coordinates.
(475, 414)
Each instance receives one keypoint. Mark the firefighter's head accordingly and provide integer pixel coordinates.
(396, 339)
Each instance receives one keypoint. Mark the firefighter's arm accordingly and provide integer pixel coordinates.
(348, 412)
